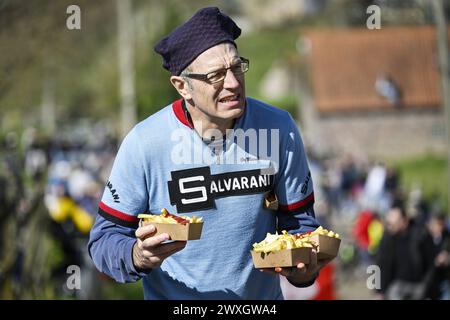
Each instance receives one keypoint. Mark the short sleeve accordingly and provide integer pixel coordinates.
(126, 194)
(294, 186)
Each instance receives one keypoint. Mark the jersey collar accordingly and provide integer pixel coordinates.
(178, 109)
(181, 113)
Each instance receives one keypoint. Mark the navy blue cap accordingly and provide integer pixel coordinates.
(205, 29)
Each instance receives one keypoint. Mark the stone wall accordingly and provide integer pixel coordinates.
(381, 135)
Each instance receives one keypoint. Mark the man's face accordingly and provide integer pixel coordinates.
(395, 222)
(225, 99)
(436, 227)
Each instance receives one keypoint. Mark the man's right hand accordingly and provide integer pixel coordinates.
(149, 252)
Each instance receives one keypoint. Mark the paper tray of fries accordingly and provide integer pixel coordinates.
(327, 247)
(282, 258)
(281, 250)
(327, 243)
(177, 227)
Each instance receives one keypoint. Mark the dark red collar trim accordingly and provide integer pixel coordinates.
(177, 107)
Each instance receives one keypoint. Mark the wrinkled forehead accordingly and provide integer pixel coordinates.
(220, 55)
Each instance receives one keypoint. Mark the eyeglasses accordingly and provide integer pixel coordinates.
(219, 75)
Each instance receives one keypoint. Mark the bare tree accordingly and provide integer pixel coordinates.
(126, 65)
(444, 66)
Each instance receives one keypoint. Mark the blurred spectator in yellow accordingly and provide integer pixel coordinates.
(361, 235)
(375, 232)
(367, 232)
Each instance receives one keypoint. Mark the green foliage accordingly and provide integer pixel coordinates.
(122, 291)
(153, 89)
(288, 103)
(263, 49)
(430, 173)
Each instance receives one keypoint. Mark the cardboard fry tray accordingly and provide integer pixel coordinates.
(327, 247)
(178, 232)
(282, 258)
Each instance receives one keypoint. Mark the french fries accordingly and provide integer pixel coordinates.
(326, 242)
(324, 232)
(319, 231)
(276, 242)
(179, 228)
(166, 217)
(285, 250)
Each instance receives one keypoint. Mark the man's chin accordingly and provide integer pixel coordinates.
(232, 113)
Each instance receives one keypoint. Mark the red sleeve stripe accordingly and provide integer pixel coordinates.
(117, 214)
(305, 203)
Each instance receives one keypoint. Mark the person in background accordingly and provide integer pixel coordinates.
(440, 288)
(405, 257)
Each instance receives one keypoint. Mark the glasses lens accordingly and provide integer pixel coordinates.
(244, 66)
(238, 69)
(216, 76)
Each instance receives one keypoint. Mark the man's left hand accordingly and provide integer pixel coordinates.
(302, 273)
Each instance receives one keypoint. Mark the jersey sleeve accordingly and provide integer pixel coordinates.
(111, 248)
(294, 185)
(112, 237)
(125, 195)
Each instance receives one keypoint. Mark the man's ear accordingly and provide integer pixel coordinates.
(182, 86)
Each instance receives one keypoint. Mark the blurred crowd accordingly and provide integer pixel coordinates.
(51, 187)
(399, 231)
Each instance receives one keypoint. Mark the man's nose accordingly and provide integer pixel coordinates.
(230, 80)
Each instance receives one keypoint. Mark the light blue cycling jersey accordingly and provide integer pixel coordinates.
(164, 163)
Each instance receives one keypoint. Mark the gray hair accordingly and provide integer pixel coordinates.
(188, 69)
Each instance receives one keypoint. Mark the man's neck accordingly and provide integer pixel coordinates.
(204, 125)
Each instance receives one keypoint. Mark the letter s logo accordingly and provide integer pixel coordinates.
(189, 190)
(184, 190)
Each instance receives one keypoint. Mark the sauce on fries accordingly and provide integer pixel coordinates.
(166, 217)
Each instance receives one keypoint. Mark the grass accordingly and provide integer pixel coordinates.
(117, 291)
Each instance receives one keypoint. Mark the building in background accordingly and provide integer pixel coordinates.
(376, 92)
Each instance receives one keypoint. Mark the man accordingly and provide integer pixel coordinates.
(440, 284)
(198, 156)
(405, 257)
